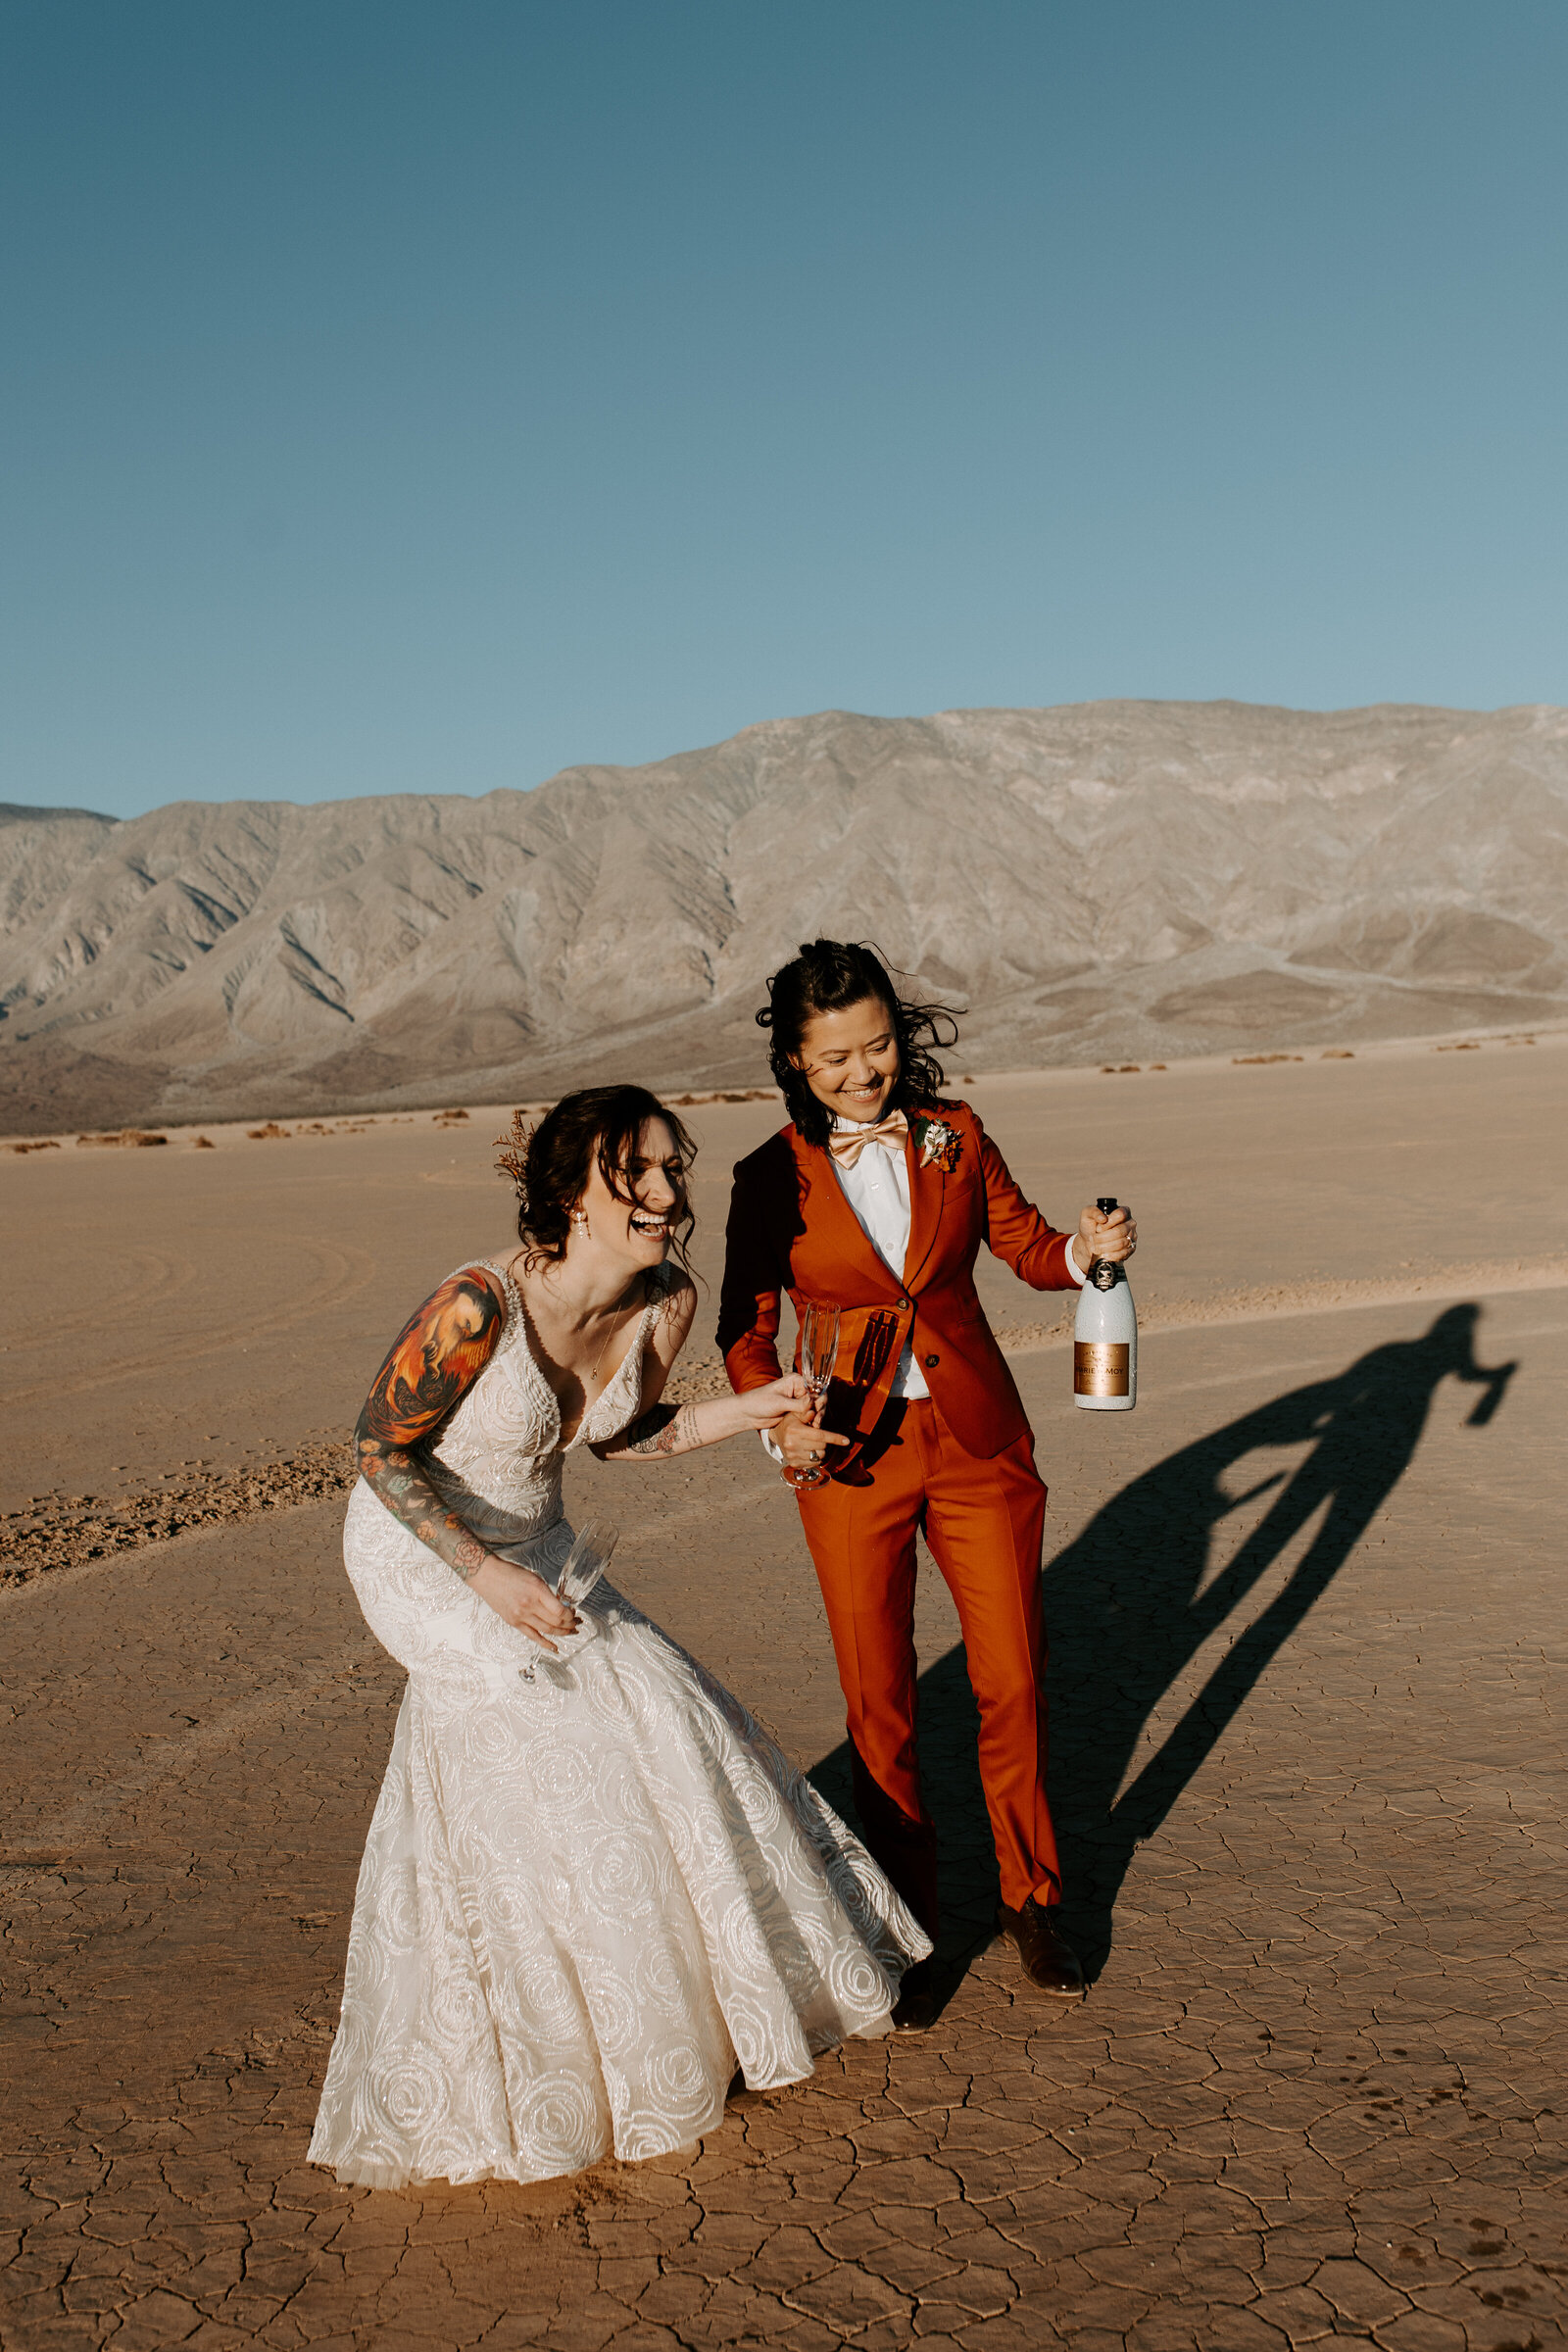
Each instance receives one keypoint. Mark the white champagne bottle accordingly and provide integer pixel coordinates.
(1104, 1339)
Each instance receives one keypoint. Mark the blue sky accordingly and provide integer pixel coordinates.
(423, 398)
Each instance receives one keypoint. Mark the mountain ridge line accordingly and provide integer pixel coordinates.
(1100, 882)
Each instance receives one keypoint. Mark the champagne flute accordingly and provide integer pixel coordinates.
(820, 1351)
(586, 1562)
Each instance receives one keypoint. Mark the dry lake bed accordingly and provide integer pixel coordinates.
(1307, 1618)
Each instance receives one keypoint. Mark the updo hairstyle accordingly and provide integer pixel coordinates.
(828, 975)
(550, 1163)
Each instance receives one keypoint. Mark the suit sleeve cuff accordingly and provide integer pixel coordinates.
(776, 1451)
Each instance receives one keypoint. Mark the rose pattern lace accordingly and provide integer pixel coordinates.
(588, 1893)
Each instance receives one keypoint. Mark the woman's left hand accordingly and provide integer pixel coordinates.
(1114, 1237)
(765, 1408)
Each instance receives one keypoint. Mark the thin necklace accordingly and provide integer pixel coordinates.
(609, 1334)
(616, 1312)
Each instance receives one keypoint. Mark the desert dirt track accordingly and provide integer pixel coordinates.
(1308, 1633)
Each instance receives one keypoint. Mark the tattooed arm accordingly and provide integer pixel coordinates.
(439, 1356)
(440, 1353)
(668, 1429)
(660, 1430)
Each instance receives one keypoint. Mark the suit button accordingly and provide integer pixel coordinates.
(932, 1360)
(903, 1304)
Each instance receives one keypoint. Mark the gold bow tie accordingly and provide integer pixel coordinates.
(848, 1143)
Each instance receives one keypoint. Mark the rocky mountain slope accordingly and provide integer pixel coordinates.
(1098, 881)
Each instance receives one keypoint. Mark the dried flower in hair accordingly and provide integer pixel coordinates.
(513, 1153)
(549, 1162)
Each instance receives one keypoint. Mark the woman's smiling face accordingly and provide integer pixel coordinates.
(850, 1060)
(642, 1224)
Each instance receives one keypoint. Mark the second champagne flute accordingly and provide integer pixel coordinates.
(586, 1562)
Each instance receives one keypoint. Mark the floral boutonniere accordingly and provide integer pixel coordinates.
(938, 1143)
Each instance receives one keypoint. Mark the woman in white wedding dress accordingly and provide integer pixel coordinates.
(592, 1884)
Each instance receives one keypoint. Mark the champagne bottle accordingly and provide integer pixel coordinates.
(1104, 1339)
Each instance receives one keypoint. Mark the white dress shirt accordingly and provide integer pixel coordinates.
(877, 1189)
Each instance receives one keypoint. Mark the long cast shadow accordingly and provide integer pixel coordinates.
(1133, 1599)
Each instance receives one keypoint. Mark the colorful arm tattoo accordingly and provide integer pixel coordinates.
(440, 1353)
(401, 1486)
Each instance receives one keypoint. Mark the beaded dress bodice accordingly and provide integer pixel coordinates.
(497, 1461)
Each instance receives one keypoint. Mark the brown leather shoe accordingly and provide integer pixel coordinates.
(1049, 1960)
(916, 2007)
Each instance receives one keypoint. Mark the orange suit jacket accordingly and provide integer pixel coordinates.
(791, 1228)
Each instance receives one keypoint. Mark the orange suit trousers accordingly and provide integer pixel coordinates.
(984, 1522)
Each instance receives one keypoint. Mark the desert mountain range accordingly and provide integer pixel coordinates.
(1099, 881)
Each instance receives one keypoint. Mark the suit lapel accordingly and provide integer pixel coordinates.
(835, 1224)
(926, 1188)
(874, 1334)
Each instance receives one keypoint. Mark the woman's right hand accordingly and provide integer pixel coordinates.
(523, 1599)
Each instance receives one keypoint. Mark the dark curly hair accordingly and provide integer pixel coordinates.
(827, 976)
(550, 1162)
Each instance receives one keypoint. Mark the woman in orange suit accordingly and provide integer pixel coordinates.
(876, 1198)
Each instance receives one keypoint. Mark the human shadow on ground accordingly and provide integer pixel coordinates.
(1130, 1600)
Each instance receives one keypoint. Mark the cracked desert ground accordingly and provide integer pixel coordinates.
(1308, 1633)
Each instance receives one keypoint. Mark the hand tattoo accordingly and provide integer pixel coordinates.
(662, 1429)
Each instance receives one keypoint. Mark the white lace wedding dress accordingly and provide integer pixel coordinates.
(589, 1887)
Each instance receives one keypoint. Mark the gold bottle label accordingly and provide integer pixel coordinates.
(1100, 1367)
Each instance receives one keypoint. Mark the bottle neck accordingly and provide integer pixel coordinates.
(1102, 1275)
